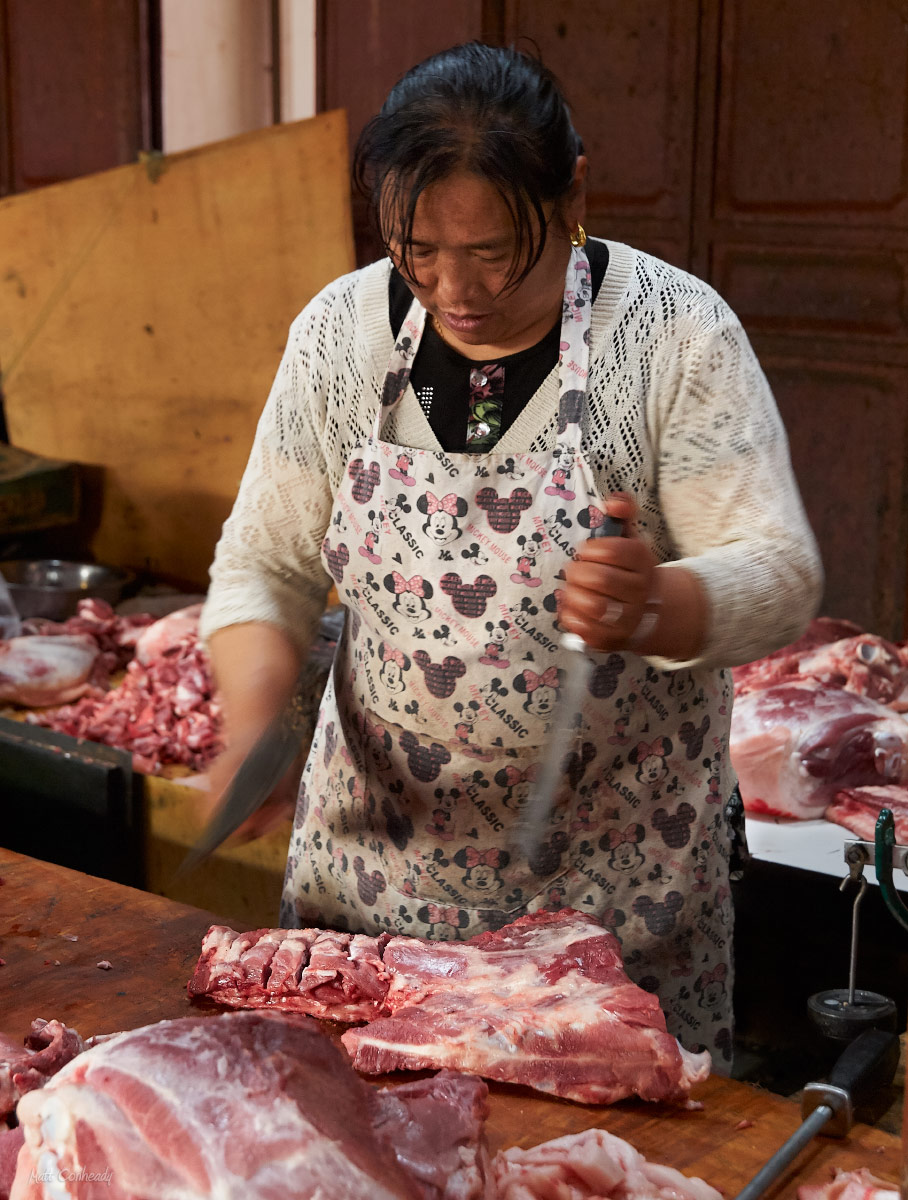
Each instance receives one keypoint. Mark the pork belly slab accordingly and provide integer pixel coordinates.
(543, 1002)
(243, 1106)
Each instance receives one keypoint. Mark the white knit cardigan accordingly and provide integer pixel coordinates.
(679, 414)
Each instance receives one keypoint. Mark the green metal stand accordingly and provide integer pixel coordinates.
(885, 842)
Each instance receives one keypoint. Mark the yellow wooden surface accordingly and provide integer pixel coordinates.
(242, 881)
(143, 312)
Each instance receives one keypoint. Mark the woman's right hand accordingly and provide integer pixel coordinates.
(256, 668)
(275, 810)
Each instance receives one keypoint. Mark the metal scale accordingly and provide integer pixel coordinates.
(861, 1023)
(842, 1013)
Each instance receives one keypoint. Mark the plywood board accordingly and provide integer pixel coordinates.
(143, 312)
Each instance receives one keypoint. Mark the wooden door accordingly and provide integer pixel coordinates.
(77, 81)
(801, 222)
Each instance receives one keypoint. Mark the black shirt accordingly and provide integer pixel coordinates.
(444, 380)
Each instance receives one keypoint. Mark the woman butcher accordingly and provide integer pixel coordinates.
(447, 430)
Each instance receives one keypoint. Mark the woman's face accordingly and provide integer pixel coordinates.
(463, 250)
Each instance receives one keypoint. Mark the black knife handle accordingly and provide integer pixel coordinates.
(866, 1064)
(610, 527)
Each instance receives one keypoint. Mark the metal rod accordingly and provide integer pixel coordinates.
(852, 967)
(786, 1153)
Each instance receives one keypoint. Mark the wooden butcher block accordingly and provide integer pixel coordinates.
(152, 945)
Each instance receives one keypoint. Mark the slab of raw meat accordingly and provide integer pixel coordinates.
(28, 1064)
(858, 809)
(782, 664)
(40, 671)
(794, 745)
(543, 1002)
(593, 1165)
(247, 1106)
(336, 976)
(850, 1185)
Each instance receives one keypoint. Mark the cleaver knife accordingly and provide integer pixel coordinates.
(533, 821)
(258, 774)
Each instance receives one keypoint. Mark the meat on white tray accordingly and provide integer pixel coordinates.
(794, 745)
(858, 810)
(544, 1002)
(40, 671)
(245, 1106)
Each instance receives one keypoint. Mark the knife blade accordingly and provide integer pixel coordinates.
(258, 774)
(535, 813)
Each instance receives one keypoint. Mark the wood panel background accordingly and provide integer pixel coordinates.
(143, 312)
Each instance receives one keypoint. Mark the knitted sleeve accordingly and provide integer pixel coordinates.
(726, 488)
(267, 566)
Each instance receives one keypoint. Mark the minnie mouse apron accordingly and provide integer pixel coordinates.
(435, 720)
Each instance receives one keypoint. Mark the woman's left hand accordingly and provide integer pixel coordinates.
(609, 584)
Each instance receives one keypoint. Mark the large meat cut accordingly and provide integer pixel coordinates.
(38, 671)
(543, 1002)
(794, 745)
(245, 1106)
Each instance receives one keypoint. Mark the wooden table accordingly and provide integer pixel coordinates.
(152, 945)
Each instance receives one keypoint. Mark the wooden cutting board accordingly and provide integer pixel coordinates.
(152, 945)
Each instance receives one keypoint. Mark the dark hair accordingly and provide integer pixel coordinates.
(493, 111)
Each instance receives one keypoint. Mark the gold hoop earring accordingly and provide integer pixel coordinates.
(578, 238)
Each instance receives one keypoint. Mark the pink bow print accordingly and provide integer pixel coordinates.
(446, 504)
(443, 916)
(716, 976)
(617, 838)
(389, 654)
(548, 678)
(645, 749)
(489, 858)
(413, 585)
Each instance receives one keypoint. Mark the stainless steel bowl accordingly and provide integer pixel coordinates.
(52, 588)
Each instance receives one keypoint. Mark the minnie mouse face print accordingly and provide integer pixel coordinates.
(442, 516)
(393, 665)
(410, 596)
(541, 690)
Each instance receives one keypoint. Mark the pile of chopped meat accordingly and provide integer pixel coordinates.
(165, 711)
(819, 729)
(258, 1105)
(544, 1002)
